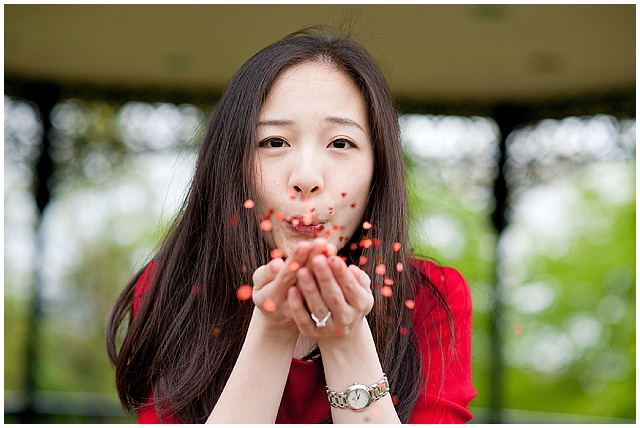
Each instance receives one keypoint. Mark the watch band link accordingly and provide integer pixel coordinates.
(377, 391)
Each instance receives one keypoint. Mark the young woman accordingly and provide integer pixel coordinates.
(299, 190)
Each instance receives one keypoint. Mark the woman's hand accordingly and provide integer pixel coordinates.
(271, 283)
(326, 284)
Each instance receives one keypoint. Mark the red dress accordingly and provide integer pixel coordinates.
(447, 394)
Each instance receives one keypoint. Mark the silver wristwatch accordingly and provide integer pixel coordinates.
(358, 396)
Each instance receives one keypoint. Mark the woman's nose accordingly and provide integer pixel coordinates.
(306, 180)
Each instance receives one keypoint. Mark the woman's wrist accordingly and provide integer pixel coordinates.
(281, 333)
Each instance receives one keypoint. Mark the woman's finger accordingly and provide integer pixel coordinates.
(308, 287)
(299, 312)
(356, 294)
(266, 273)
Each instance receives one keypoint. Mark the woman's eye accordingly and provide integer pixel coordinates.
(341, 143)
(273, 143)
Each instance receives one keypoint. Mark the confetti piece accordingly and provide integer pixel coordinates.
(196, 288)
(378, 258)
(399, 267)
(266, 225)
(215, 332)
(403, 330)
(328, 233)
(281, 215)
(234, 220)
(249, 204)
(244, 292)
(341, 238)
(307, 219)
(381, 269)
(386, 291)
(294, 266)
(388, 281)
(376, 241)
(276, 253)
(363, 260)
(397, 246)
(269, 305)
(376, 412)
(344, 195)
(518, 329)
(410, 304)
(337, 330)
(353, 246)
(295, 221)
(344, 258)
(366, 243)
(336, 227)
(352, 205)
(366, 225)
(395, 400)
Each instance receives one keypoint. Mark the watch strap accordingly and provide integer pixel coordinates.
(376, 391)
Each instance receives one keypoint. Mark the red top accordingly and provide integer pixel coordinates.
(442, 401)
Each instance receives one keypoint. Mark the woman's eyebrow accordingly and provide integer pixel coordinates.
(344, 121)
(275, 122)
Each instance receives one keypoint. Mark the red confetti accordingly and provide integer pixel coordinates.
(341, 238)
(249, 204)
(327, 232)
(215, 332)
(266, 225)
(395, 400)
(381, 269)
(518, 329)
(353, 246)
(281, 216)
(244, 292)
(403, 330)
(388, 281)
(196, 288)
(397, 246)
(234, 220)
(337, 330)
(294, 266)
(336, 227)
(366, 243)
(410, 304)
(344, 258)
(378, 258)
(307, 219)
(344, 195)
(386, 291)
(376, 241)
(276, 253)
(269, 305)
(352, 205)
(363, 260)
(366, 225)
(399, 267)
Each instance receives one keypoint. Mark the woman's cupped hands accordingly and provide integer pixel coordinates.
(313, 281)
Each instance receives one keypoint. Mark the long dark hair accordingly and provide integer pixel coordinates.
(183, 344)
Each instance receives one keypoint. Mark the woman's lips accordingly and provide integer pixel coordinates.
(303, 226)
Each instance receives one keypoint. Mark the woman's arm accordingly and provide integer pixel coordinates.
(348, 351)
(254, 390)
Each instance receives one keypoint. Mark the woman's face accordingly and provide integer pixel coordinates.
(314, 157)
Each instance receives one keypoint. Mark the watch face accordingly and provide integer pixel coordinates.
(358, 397)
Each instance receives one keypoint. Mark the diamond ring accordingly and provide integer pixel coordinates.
(321, 322)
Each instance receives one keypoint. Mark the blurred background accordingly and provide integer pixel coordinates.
(520, 134)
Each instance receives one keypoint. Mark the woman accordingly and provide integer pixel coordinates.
(299, 190)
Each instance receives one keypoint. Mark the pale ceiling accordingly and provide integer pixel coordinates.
(448, 52)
